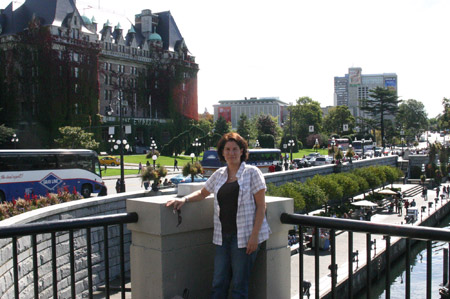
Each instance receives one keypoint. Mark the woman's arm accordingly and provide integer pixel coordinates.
(194, 196)
(260, 201)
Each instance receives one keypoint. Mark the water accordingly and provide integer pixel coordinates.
(418, 272)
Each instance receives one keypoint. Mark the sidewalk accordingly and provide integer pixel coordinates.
(359, 243)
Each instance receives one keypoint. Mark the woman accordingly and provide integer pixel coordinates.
(240, 224)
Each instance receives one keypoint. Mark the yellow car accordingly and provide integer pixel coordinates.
(109, 160)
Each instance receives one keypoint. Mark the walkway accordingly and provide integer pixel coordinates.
(359, 243)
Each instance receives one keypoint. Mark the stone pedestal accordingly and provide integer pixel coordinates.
(166, 258)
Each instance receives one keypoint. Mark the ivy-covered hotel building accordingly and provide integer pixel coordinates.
(60, 68)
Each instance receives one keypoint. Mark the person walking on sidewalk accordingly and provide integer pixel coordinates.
(175, 164)
(438, 190)
(140, 168)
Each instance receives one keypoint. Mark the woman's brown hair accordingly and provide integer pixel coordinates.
(241, 142)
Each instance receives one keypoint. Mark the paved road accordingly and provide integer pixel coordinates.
(359, 243)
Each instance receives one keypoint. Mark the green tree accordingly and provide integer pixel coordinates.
(75, 137)
(5, 134)
(349, 186)
(243, 127)
(266, 124)
(412, 117)
(221, 126)
(305, 113)
(331, 188)
(336, 118)
(444, 119)
(382, 102)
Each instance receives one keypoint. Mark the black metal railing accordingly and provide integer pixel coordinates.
(427, 234)
(70, 225)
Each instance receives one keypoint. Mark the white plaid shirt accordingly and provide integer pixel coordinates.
(250, 180)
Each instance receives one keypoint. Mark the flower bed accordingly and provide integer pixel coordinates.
(32, 202)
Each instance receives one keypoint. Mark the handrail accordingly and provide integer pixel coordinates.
(404, 231)
(66, 224)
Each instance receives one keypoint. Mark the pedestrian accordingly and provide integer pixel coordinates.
(140, 168)
(438, 190)
(400, 207)
(175, 164)
(406, 204)
(148, 163)
(146, 184)
(240, 224)
(106, 166)
(425, 193)
(118, 183)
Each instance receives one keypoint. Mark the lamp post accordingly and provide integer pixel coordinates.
(424, 178)
(316, 144)
(196, 145)
(291, 144)
(363, 141)
(120, 143)
(153, 146)
(154, 157)
(14, 140)
(111, 142)
(333, 144)
(192, 157)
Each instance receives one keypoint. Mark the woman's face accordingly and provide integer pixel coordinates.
(232, 153)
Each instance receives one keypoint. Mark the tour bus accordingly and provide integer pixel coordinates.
(261, 158)
(341, 143)
(357, 146)
(38, 172)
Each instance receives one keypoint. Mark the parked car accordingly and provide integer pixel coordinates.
(378, 151)
(180, 179)
(323, 160)
(303, 162)
(109, 160)
(369, 153)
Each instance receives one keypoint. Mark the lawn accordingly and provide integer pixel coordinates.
(116, 171)
(182, 160)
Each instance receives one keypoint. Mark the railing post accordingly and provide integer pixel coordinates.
(351, 258)
(445, 270)
(368, 262)
(408, 268)
(388, 267)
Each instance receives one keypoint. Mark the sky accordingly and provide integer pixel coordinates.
(295, 48)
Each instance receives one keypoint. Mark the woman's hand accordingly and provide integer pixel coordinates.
(176, 203)
(252, 244)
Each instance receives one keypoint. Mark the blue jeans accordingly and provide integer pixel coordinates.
(231, 264)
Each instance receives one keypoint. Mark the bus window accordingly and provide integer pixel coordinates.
(47, 162)
(66, 162)
(8, 163)
(85, 162)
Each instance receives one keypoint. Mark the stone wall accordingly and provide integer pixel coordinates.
(82, 208)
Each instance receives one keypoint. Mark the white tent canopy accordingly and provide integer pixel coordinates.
(364, 203)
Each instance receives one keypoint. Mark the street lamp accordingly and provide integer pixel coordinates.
(192, 157)
(14, 140)
(122, 142)
(316, 144)
(196, 145)
(403, 144)
(291, 144)
(154, 157)
(423, 179)
(153, 146)
(111, 142)
(363, 141)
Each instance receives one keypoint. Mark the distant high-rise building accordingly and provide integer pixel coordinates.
(231, 110)
(348, 90)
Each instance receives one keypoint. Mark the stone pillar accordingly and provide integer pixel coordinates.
(166, 259)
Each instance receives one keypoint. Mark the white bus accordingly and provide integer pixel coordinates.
(38, 172)
(261, 158)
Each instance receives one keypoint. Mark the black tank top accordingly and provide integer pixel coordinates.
(228, 201)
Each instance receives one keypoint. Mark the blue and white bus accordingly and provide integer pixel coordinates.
(261, 158)
(38, 172)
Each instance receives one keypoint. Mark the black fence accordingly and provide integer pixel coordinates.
(410, 233)
(70, 225)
